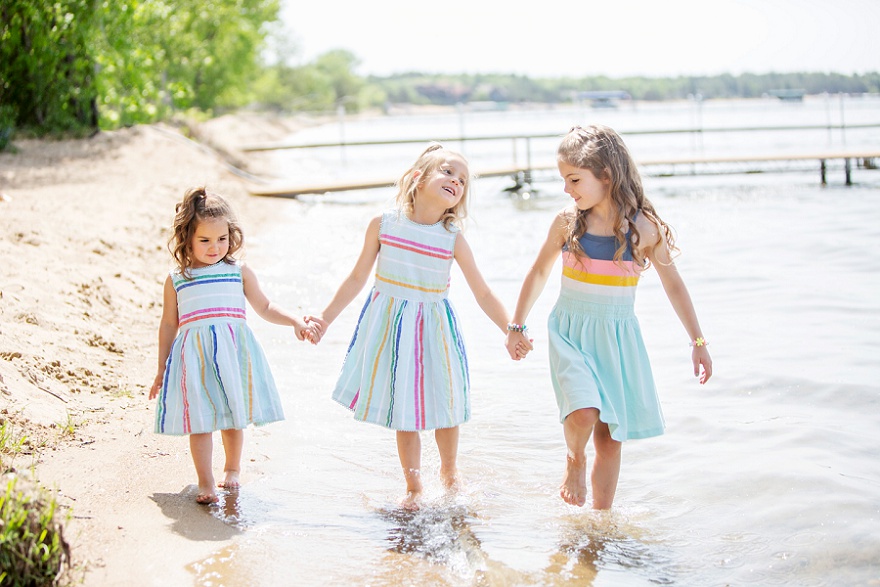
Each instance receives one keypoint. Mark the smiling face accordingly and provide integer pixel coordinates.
(210, 242)
(446, 184)
(583, 186)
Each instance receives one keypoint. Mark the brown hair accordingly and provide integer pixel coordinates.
(409, 183)
(600, 150)
(198, 204)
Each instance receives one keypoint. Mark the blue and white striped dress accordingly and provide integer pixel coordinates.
(406, 367)
(216, 375)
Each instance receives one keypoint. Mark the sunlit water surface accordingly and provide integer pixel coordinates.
(768, 475)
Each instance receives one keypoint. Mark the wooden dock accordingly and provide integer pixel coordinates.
(522, 174)
(278, 146)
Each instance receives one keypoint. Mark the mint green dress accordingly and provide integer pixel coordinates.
(597, 356)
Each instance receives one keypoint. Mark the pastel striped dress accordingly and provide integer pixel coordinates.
(597, 356)
(406, 367)
(216, 376)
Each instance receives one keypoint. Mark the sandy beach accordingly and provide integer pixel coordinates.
(83, 227)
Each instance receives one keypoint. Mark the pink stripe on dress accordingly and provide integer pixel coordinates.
(420, 371)
(440, 255)
(187, 427)
(212, 313)
(599, 266)
(414, 244)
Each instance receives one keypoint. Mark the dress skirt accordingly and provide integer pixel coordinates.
(406, 367)
(598, 360)
(216, 378)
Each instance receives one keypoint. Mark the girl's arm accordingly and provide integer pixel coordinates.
(265, 308)
(486, 298)
(354, 283)
(167, 332)
(657, 251)
(536, 278)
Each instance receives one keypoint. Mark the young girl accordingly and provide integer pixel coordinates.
(406, 367)
(212, 373)
(598, 363)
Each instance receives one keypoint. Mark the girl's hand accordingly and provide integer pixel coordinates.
(518, 345)
(316, 328)
(300, 328)
(157, 385)
(700, 357)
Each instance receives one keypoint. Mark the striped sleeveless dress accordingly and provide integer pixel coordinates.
(406, 367)
(216, 376)
(597, 356)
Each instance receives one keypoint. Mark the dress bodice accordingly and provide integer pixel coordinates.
(414, 259)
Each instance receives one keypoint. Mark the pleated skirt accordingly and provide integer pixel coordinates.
(598, 360)
(216, 378)
(406, 366)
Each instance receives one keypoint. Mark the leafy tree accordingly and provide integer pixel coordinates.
(47, 73)
(323, 85)
(77, 63)
(180, 54)
(337, 67)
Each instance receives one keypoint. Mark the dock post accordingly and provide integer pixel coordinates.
(848, 169)
(822, 171)
(340, 113)
(528, 175)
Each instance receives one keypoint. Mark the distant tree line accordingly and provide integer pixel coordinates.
(79, 65)
(450, 89)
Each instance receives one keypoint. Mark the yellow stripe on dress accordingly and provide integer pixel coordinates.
(585, 277)
(410, 286)
(376, 363)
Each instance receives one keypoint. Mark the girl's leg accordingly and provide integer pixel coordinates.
(577, 428)
(409, 449)
(606, 469)
(201, 446)
(233, 443)
(447, 445)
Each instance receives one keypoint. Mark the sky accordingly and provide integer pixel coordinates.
(579, 38)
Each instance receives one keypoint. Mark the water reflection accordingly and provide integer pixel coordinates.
(440, 534)
(607, 543)
(229, 509)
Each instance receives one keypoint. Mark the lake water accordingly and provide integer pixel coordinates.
(768, 475)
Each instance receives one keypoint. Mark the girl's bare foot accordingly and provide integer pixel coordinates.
(450, 479)
(410, 501)
(574, 483)
(413, 489)
(231, 481)
(206, 496)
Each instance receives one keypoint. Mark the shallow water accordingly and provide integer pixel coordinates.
(768, 475)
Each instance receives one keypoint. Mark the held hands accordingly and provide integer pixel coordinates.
(315, 327)
(518, 344)
(305, 331)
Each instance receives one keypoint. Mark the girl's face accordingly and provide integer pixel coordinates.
(445, 185)
(583, 186)
(210, 241)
